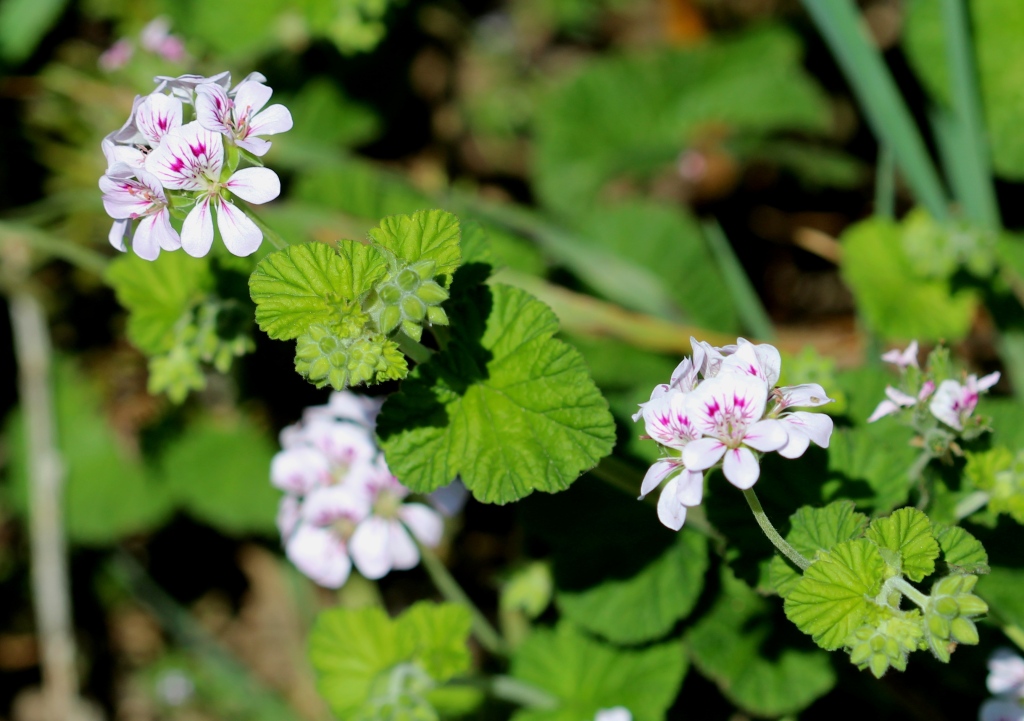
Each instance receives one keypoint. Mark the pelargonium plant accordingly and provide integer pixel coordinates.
(342, 506)
(178, 155)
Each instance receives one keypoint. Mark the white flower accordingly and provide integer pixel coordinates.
(157, 115)
(954, 403)
(1005, 673)
(382, 541)
(318, 545)
(729, 409)
(347, 406)
(243, 118)
(761, 361)
(1001, 710)
(184, 86)
(126, 198)
(300, 470)
(685, 489)
(903, 358)
(191, 158)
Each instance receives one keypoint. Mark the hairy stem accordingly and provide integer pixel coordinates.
(774, 536)
(519, 692)
(414, 349)
(269, 233)
(485, 633)
(897, 583)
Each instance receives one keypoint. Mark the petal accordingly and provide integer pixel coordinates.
(796, 445)
(741, 468)
(404, 554)
(161, 229)
(197, 230)
(1001, 709)
(658, 472)
(255, 185)
(769, 435)
(250, 97)
(690, 490)
(899, 397)
(425, 523)
(702, 454)
(288, 515)
(157, 115)
(187, 158)
(728, 404)
(213, 108)
(816, 426)
(944, 402)
(257, 146)
(118, 231)
(986, 382)
(319, 554)
(146, 242)
(369, 547)
(275, 119)
(240, 235)
(806, 395)
(299, 470)
(326, 505)
(671, 512)
(883, 409)
(1005, 672)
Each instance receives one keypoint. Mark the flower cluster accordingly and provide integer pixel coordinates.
(1006, 682)
(159, 165)
(155, 38)
(933, 396)
(342, 505)
(722, 407)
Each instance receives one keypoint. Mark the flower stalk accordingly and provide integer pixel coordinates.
(774, 536)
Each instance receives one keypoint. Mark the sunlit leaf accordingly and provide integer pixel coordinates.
(813, 530)
(961, 551)
(908, 534)
(426, 235)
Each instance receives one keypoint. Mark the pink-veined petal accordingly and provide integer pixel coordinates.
(319, 554)
(255, 185)
(188, 158)
(701, 454)
(146, 241)
(883, 409)
(658, 472)
(197, 230)
(816, 426)
(425, 523)
(690, 490)
(250, 97)
(241, 236)
(744, 361)
(806, 395)
(945, 403)
(157, 115)
(299, 470)
(404, 554)
(796, 445)
(213, 108)
(671, 512)
(369, 548)
(728, 404)
(325, 506)
(769, 435)
(899, 397)
(128, 133)
(741, 467)
(257, 146)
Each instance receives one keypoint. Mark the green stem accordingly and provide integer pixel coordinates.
(748, 305)
(885, 183)
(872, 83)
(897, 583)
(414, 349)
(774, 536)
(521, 693)
(269, 233)
(485, 633)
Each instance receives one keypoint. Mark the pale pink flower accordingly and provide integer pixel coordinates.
(347, 406)
(300, 470)
(729, 409)
(190, 158)
(896, 400)
(117, 55)
(1005, 673)
(319, 542)
(903, 358)
(243, 118)
(157, 115)
(127, 198)
(954, 403)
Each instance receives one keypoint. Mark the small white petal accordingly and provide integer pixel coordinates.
(299, 470)
(255, 185)
(197, 230)
(671, 512)
(213, 108)
(945, 401)
(796, 446)
(157, 115)
(690, 490)
(658, 472)
(241, 236)
(741, 467)
(816, 426)
(899, 397)
(257, 146)
(702, 454)
(146, 242)
(118, 231)
(369, 548)
(319, 554)
(806, 395)
(275, 119)
(250, 97)
(326, 505)
(425, 523)
(404, 554)
(288, 515)
(766, 436)
(986, 382)
(883, 409)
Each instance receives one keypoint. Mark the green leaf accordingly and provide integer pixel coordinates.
(727, 646)
(996, 26)
(908, 534)
(157, 295)
(107, 494)
(23, 24)
(324, 118)
(646, 606)
(587, 676)
(1003, 589)
(310, 284)
(349, 649)
(441, 633)
(218, 472)
(868, 465)
(813, 530)
(961, 551)
(894, 301)
(425, 235)
(506, 407)
(832, 600)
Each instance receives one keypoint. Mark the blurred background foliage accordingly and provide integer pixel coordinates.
(652, 169)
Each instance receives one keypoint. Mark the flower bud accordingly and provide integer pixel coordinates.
(938, 626)
(413, 308)
(964, 631)
(431, 293)
(971, 605)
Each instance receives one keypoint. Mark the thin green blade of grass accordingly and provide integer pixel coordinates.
(874, 87)
(748, 305)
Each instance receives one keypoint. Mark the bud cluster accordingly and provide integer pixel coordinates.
(324, 356)
(949, 612)
(887, 644)
(407, 297)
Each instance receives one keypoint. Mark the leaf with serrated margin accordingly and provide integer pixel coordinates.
(441, 634)
(908, 533)
(586, 676)
(961, 551)
(424, 235)
(157, 295)
(506, 407)
(833, 599)
(307, 284)
(813, 530)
